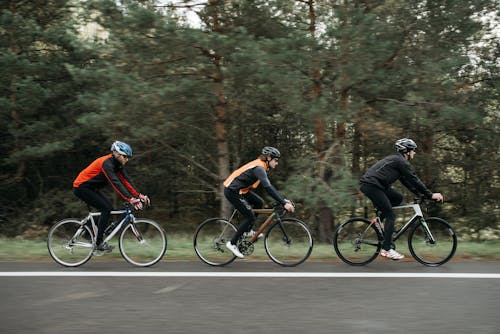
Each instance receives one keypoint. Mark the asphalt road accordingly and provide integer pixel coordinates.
(114, 297)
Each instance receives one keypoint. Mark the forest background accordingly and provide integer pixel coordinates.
(331, 83)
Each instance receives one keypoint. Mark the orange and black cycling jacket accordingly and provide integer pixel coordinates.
(107, 170)
(249, 176)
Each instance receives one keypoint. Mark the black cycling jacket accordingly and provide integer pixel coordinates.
(392, 168)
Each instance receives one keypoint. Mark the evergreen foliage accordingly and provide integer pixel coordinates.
(331, 84)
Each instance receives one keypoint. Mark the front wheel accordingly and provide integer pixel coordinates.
(288, 242)
(210, 240)
(357, 241)
(432, 241)
(143, 242)
(70, 243)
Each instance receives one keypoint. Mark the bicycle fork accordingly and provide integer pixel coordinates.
(284, 236)
(137, 233)
(427, 231)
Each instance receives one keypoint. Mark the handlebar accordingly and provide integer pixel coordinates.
(423, 200)
(129, 205)
(278, 207)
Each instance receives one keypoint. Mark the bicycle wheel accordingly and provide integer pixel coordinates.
(357, 242)
(70, 243)
(288, 242)
(143, 243)
(210, 240)
(432, 253)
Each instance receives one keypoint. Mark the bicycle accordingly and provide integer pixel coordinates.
(431, 241)
(287, 241)
(142, 242)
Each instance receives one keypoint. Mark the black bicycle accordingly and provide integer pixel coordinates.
(288, 241)
(431, 240)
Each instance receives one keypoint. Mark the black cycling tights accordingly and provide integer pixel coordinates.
(244, 204)
(97, 200)
(384, 200)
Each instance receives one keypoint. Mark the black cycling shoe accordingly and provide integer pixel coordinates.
(104, 247)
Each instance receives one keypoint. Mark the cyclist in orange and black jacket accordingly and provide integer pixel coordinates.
(238, 192)
(108, 169)
(376, 185)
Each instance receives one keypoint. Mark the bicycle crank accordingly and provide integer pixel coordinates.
(246, 247)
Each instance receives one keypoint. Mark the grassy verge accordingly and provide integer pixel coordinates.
(181, 247)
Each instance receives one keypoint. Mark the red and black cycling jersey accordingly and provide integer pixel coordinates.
(392, 168)
(249, 176)
(107, 170)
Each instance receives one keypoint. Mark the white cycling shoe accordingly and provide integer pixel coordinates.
(251, 233)
(391, 254)
(234, 249)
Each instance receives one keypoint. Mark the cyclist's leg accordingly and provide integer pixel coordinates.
(256, 202)
(97, 200)
(383, 202)
(240, 204)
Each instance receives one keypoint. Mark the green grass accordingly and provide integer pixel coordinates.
(181, 247)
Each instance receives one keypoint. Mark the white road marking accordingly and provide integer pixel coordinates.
(170, 288)
(243, 274)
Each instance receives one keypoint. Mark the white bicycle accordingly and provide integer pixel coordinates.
(142, 242)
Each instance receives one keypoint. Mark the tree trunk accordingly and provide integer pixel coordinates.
(325, 217)
(220, 113)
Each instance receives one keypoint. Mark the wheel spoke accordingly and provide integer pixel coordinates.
(210, 241)
(356, 242)
(143, 243)
(289, 242)
(432, 243)
(69, 243)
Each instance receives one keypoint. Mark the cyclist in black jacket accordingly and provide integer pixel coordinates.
(376, 185)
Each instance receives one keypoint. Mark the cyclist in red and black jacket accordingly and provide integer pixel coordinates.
(376, 185)
(238, 192)
(108, 169)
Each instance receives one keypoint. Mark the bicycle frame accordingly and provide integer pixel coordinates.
(272, 215)
(418, 214)
(129, 217)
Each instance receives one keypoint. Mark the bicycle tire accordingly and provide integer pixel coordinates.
(210, 239)
(145, 248)
(357, 241)
(432, 254)
(291, 248)
(67, 248)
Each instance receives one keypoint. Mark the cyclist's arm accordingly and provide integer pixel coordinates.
(127, 181)
(261, 174)
(410, 180)
(115, 181)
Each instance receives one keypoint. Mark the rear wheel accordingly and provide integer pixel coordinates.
(357, 242)
(70, 243)
(288, 242)
(434, 248)
(143, 243)
(210, 240)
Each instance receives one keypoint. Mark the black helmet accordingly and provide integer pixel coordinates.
(273, 152)
(405, 145)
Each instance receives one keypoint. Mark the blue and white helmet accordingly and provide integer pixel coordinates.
(122, 148)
